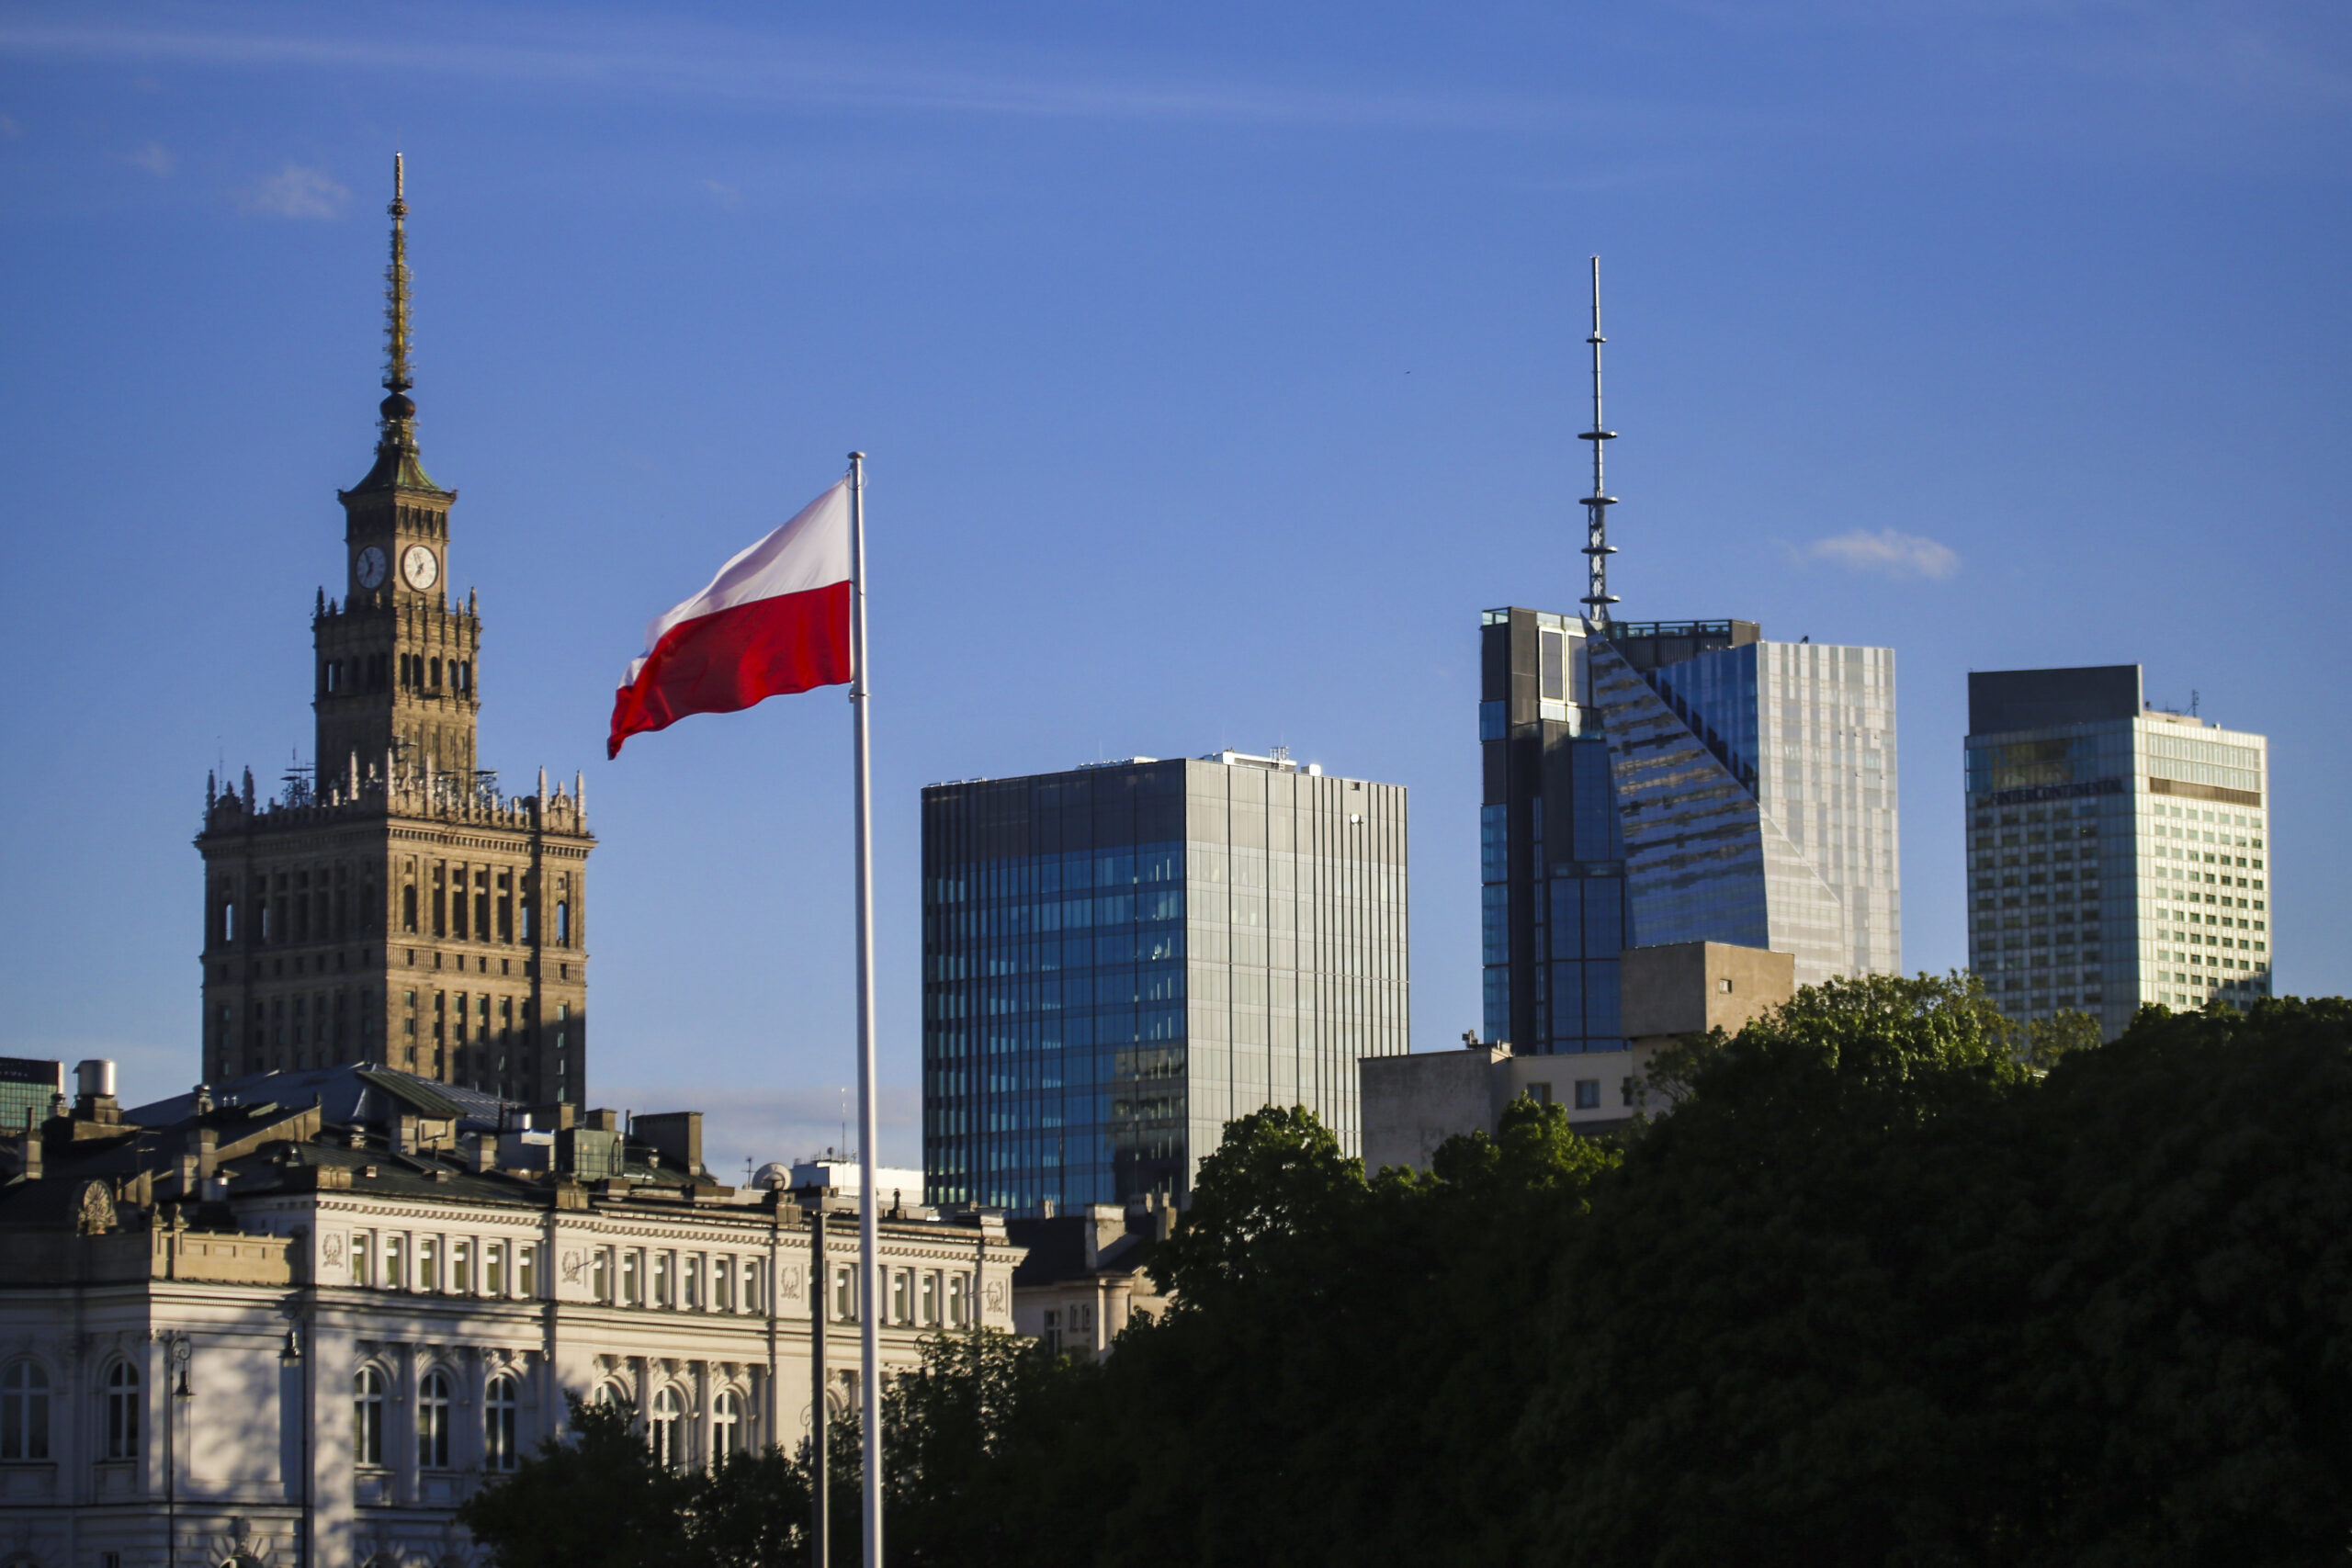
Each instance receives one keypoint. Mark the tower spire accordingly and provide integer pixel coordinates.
(1597, 547)
(398, 464)
(397, 379)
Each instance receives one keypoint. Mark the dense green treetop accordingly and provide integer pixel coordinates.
(1894, 1282)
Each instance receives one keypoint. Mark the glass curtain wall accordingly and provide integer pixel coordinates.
(1118, 959)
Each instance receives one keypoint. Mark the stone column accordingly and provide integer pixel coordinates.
(335, 1362)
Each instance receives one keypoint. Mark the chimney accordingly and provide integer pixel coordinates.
(482, 1152)
(402, 1135)
(24, 1153)
(1106, 1222)
(676, 1135)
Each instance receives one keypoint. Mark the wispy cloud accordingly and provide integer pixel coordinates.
(155, 158)
(805, 73)
(724, 195)
(9, 128)
(296, 191)
(1888, 552)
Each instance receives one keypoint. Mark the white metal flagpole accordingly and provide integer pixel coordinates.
(869, 1213)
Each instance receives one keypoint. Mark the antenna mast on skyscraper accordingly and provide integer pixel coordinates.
(1597, 547)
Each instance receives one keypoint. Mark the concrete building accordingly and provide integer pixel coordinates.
(1119, 959)
(300, 1317)
(1083, 1277)
(1649, 783)
(2118, 853)
(390, 902)
(1411, 1104)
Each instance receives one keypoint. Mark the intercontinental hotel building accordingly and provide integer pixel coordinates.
(2118, 853)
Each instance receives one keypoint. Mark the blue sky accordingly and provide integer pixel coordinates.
(1218, 364)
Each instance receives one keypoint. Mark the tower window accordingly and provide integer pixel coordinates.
(408, 908)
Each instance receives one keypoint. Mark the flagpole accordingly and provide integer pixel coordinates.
(869, 1199)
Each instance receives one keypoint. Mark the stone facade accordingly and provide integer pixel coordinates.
(1084, 1276)
(306, 1336)
(390, 903)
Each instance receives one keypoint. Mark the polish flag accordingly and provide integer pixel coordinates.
(774, 620)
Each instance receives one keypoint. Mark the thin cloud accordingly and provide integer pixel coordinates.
(724, 195)
(1888, 553)
(808, 73)
(155, 158)
(296, 191)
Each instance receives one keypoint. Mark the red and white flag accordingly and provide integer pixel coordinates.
(774, 620)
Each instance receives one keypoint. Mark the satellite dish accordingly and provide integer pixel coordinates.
(773, 1176)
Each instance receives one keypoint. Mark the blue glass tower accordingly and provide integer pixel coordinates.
(1655, 782)
(1119, 959)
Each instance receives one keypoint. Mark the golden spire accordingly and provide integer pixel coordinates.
(396, 369)
(397, 463)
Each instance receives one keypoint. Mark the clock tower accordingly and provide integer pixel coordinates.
(396, 660)
(390, 903)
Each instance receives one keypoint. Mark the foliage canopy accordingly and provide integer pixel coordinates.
(1896, 1282)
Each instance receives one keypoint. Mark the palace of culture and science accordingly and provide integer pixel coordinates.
(391, 905)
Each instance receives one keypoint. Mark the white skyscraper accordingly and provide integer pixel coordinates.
(2117, 853)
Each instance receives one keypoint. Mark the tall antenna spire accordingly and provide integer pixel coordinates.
(397, 463)
(397, 379)
(1597, 547)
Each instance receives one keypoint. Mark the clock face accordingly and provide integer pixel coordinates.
(371, 567)
(419, 568)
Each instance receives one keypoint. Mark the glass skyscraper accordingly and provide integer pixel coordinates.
(1119, 959)
(2116, 852)
(1676, 781)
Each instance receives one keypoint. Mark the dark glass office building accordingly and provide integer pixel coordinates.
(1656, 781)
(1119, 959)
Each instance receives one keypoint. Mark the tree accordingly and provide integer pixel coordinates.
(983, 1405)
(1897, 1282)
(594, 1499)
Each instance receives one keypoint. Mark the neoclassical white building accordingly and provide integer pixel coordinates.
(298, 1321)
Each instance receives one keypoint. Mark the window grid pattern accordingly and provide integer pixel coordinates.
(1119, 960)
(2119, 863)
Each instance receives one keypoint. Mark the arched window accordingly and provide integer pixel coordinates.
(498, 1406)
(24, 1411)
(122, 1411)
(667, 1430)
(367, 1417)
(727, 1424)
(433, 1422)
